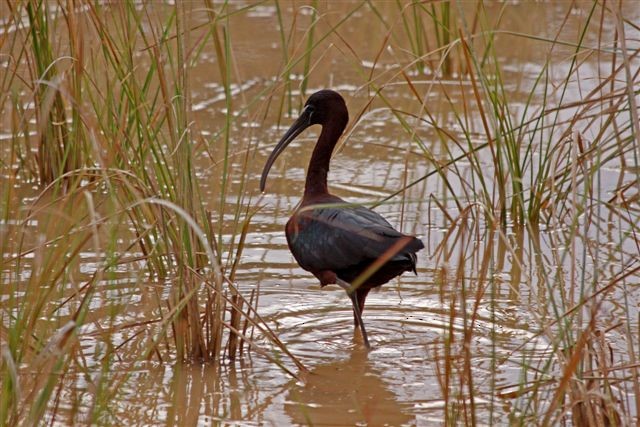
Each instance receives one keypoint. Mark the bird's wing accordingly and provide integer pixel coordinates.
(336, 238)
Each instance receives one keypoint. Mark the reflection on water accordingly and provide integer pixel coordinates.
(347, 392)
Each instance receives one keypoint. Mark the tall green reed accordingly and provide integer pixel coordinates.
(129, 153)
(60, 145)
(535, 170)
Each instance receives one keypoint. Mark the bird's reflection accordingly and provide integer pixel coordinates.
(346, 392)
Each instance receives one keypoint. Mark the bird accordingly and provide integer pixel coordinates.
(339, 242)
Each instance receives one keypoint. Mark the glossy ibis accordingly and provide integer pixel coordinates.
(340, 243)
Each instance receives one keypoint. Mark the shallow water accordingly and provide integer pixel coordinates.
(417, 324)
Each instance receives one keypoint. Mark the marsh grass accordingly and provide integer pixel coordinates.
(564, 192)
(536, 171)
(113, 140)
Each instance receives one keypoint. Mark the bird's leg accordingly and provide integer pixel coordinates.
(356, 309)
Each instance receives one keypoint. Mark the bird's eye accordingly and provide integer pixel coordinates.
(310, 112)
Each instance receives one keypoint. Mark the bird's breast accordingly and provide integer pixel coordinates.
(298, 222)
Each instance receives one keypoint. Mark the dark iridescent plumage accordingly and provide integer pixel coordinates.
(330, 238)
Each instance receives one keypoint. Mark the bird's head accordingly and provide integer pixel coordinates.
(326, 108)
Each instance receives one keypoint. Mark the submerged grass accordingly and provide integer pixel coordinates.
(523, 165)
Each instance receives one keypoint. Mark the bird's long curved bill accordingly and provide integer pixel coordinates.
(296, 129)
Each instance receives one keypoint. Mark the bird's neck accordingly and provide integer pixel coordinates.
(319, 164)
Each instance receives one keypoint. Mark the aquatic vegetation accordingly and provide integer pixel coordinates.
(139, 260)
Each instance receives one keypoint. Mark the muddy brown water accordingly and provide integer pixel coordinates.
(409, 320)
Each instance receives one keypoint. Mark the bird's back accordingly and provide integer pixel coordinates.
(328, 234)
